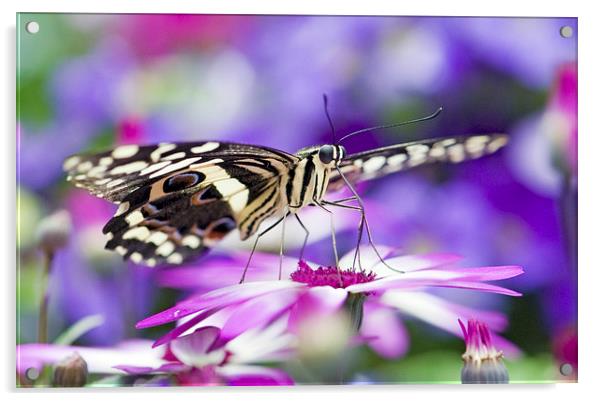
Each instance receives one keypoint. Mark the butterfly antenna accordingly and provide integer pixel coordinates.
(334, 138)
(430, 117)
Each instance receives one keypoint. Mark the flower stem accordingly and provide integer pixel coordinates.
(355, 307)
(43, 313)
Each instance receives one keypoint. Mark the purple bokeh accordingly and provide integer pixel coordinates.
(152, 78)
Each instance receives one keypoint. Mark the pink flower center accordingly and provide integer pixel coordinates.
(330, 276)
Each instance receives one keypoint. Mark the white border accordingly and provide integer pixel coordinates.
(590, 201)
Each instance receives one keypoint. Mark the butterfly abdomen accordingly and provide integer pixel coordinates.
(268, 203)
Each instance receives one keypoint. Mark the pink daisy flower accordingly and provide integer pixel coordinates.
(379, 294)
(202, 357)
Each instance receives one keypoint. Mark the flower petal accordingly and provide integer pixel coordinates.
(408, 263)
(496, 321)
(195, 349)
(198, 342)
(384, 330)
(483, 287)
(489, 273)
(455, 277)
(266, 344)
(99, 359)
(221, 271)
(185, 326)
(258, 312)
(314, 302)
(425, 307)
(439, 313)
(189, 324)
(219, 298)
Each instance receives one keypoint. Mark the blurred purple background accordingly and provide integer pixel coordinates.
(88, 82)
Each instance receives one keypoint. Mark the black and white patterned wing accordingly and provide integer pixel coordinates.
(114, 174)
(176, 200)
(391, 159)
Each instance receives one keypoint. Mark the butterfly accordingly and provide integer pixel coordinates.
(176, 200)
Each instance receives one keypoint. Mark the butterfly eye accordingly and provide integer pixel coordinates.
(342, 153)
(326, 154)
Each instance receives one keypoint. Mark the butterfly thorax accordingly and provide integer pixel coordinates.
(305, 183)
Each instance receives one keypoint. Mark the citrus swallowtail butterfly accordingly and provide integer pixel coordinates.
(178, 199)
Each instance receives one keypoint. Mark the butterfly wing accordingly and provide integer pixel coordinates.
(176, 200)
(114, 174)
(391, 159)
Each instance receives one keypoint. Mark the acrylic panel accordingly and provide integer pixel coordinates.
(415, 179)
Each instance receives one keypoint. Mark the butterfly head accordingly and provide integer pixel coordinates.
(331, 155)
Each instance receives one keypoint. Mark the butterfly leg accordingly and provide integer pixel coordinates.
(360, 228)
(334, 238)
(368, 231)
(362, 210)
(306, 235)
(339, 202)
(244, 273)
(344, 200)
(282, 246)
